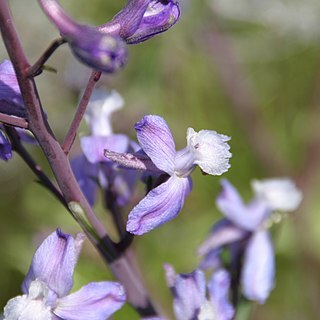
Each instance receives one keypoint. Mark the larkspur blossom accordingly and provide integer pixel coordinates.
(140, 20)
(244, 231)
(91, 168)
(99, 50)
(207, 149)
(189, 293)
(48, 283)
(103, 47)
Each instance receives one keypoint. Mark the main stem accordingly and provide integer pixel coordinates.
(60, 165)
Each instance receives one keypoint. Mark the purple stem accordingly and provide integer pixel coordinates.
(71, 135)
(136, 292)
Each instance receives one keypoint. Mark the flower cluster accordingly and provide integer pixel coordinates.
(244, 230)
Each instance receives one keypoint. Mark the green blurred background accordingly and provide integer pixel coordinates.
(247, 69)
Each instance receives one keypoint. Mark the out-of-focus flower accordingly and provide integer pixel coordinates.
(294, 18)
(245, 228)
(48, 283)
(207, 149)
(189, 293)
(142, 19)
(92, 168)
(99, 50)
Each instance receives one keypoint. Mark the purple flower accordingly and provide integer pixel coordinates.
(92, 168)
(5, 148)
(142, 19)
(189, 293)
(207, 149)
(48, 283)
(244, 229)
(99, 50)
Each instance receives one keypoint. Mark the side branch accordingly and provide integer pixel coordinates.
(37, 68)
(71, 134)
(13, 121)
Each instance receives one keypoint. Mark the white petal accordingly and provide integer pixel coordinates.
(101, 105)
(210, 149)
(280, 194)
(29, 307)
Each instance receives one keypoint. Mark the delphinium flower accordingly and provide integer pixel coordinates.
(48, 283)
(92, 168)
(190, 298)
(103, 47)
(140, 20)
(207, 149)
(244, 230)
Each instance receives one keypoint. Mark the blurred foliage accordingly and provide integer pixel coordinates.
(176, 76)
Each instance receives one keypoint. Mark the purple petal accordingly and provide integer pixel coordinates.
(100, 51)
(86, 174)
(5, 148)
(127, 21)
(93, 146)
(189, 291)
(224, 232)
(258, 270)
(159, 17)
(54, 262)
(159, 205)
(248, 217)
(9, 87)
(219, 285)
(156, 140)
(95, 301)
(140, 20)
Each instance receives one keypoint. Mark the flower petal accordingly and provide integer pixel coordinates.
(258, 270)
(211, 150)
(54, 262)
(100, 107)
(159, 17)
(224, 232)
(279, 194)
(5, 148)
(93, 146)
(95, 301)
(9, 87)
(219, 285)
(159, 205)
(86, 174)
(189, 291)
(248, 217)
(98, 50)
(156, 140)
